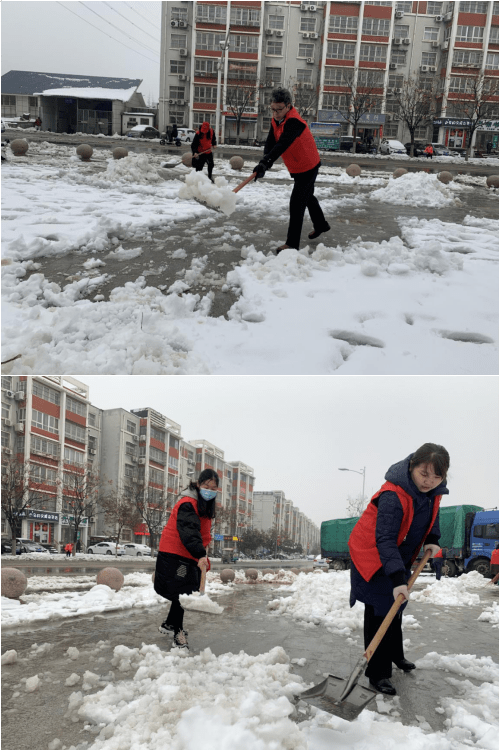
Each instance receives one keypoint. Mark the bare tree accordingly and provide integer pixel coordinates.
(240, 99)
(20, 492)
(81, 495)
(120, 511)
(305, 97)
(356, 506)
(152, 506)
(363, 95)
(477, 102)
(416, 100)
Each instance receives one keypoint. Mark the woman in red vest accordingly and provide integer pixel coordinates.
(290, 138)
(183, 550)
(400, 518)
(203, 141)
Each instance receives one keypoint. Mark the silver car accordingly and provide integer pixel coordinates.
(105, 548)
(135, 548)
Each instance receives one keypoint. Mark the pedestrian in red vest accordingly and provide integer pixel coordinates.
(183, 550)
(437, 563)
(429, 151)
(401, 517)
(68, 549)
(203, 141)
(290, 138)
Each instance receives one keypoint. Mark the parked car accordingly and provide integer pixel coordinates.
(48, 546)
(105, 548)
(320, 563)
(135, 548)
(418, 148)
(186, 134)
(6, 546)
(28, 546)
(391, 146)
(143, 131)
(346, 143)
(456, 151)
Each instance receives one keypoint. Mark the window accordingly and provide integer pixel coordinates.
(44, 392)
(306, 50)
(178, 14)
(199, 118)
(130, 449)
(486, 531)
(205, 94)
(307, 23)
(177, 66)
(177, 116)
(158, 435)
(244, 43)
(92, 442)
(7, 383)
(395, 81)
(422, 133)
(458, 84)
(8, 99)
(467, 57)
(398, 57)
(178, 40)
(470, 34)
(5, 410)
(211, 13)
(73, 457)
(156, 476)
(401, 31)
(78, 408)
(274, 48)
(5, 439)
(42, 474)
(75, 432)
(495, 8)
(20, 444)
(32, 101)
(157, 456)
(428, 58)
(245, 17)
(370, 78)
(392, 105)
(373, 53)
(434, 9)
(173, 442)
(473, 7)
(130, 426)
(340, 50)
(338, 76)
(142, 450)
(92, 419)
(276, 22)
(335, 102)
(43, 446)
(304, 75)
(274, 75)
(129, 470)
(242, 71)
(405, 7)
(494, 35)
(173, 462)
(205, 68)
(376, 26)
(343, 24)
(45, 422)
(431, 33)
(492, 61)
(209, 460)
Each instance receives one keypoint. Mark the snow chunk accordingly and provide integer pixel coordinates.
(9, 657)
(216, 195)
(32, 684)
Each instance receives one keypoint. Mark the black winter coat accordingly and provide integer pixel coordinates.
(396, 560)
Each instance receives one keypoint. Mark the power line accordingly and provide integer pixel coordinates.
(116, 27)
(105, 34)
(133, 24)
(139, 14)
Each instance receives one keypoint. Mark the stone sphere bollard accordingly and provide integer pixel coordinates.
(187, 159)
(84, 151)
(445, 177)
(227, 575)
(267, 571)
(399, 172)
(295, 571)
(309, 570)
(252, 573)
(353, 170)
(14, 583)
(120, 152)
(112, 577)
(19, 146)
(236, 162)
(492, 181)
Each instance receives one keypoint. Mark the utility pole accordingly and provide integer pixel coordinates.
(220, 66)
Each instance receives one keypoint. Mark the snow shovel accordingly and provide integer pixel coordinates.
(171, 166)
(345, 697)
(235, 190)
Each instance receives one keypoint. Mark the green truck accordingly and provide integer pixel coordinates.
(469, 534)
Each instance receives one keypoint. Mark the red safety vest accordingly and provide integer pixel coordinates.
(362, 542)
(170, 541)
(205, 140)
(303, 154)
(494, 557)
(439, 554)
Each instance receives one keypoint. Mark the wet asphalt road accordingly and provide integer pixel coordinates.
(244, 625)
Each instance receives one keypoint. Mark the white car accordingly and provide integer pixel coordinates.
(185, 134)
(105, 548)
(320, 563)
(391, 146)
(135, 548)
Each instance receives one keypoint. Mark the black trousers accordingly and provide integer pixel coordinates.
(437, 565)
(303, 197)
(175, 617)
(390, 648)
(203, 159)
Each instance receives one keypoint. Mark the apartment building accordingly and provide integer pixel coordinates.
(213, 51)
(271, 510)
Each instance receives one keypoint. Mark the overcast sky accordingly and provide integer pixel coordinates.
(85, 38)
(296, 431)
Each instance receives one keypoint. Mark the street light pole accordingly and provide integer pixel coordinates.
(358, 472)
(224, 47)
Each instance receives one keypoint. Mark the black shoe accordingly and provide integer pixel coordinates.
(383, 686)
(166, 628)
(405, 665)
(317, 232)
(180, 641)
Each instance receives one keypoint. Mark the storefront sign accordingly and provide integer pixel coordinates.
(369, 118)
(67, 519)
(488, 125)
(452, 122)
(326, 135)
(141, 529)
(218, 537)
(46, 516)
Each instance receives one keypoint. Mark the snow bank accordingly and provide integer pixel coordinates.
(216, 194)
(416, 189)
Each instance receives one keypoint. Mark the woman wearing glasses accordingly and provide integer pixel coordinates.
(290, 138)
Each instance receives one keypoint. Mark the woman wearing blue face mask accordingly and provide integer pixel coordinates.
(183, 550)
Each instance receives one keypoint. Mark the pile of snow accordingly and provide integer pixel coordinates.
(216, 194)
(134, 168)
(203, 603)
(452, 592)
(490, 614)
(416, 189)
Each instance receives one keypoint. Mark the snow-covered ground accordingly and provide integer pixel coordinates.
(423, 301)
(172, 700)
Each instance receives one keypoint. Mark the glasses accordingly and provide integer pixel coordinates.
(278, 109)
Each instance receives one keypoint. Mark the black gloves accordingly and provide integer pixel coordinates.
(260, 169)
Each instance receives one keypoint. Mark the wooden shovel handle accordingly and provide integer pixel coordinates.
(392, 612)
(245, 182)
(203, 579)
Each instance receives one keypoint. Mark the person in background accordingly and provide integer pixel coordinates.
(437, 563)
(488, 147)
(183, 550)
(401, 517)
(38, 123)
(290, 138)
(68, 548)
(429, 151)
(174, 133)
(203, 141)
(78, 546)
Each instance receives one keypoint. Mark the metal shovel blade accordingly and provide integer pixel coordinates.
(327, 695)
